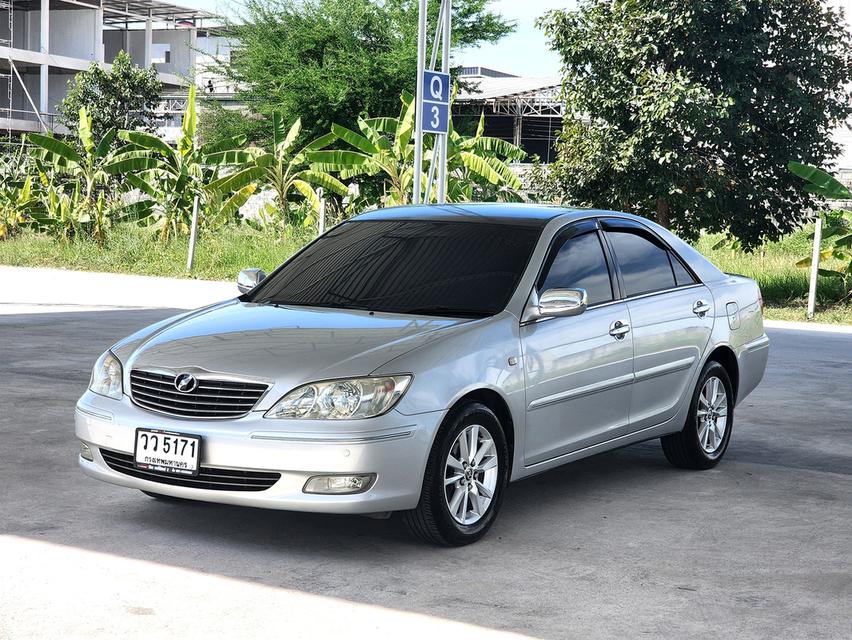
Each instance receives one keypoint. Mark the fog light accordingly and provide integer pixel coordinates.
(86, 452)
(339, 484)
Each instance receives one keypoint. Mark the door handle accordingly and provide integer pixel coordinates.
(619, 329)
(700, 308)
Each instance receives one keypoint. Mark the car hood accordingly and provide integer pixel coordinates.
(284, 346)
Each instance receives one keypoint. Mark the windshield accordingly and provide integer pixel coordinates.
(462, 269)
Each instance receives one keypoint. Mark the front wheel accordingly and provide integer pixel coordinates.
(466, 474)
(704, 439)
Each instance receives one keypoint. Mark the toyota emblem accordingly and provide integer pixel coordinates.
(186, 383)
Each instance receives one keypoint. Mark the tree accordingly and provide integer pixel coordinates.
(385, 147)
(283, 168)
(80, 202)
(689, 111)
(173, 179)
(325, 61)
(123, 97)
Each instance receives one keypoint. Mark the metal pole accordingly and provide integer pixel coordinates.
(418, 126)
(321, 195)
(435, 153)
(445, 67)
(814, 267)
(430, 176)
(193, 232)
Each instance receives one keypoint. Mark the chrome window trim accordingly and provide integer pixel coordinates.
(663, 291)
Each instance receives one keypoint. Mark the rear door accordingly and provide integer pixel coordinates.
(578, 369)
(671, 319)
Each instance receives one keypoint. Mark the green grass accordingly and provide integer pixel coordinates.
(220, 255)
(783, 284)
(131, 249)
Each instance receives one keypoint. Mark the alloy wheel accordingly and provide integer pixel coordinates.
(712, 415)
(470, 474)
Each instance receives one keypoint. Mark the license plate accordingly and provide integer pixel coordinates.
(167, 452)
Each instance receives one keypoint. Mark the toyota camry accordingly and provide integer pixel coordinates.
(418, 359)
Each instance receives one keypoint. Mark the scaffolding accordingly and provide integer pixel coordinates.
(7, 8)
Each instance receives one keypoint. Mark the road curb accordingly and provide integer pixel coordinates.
(808, 326)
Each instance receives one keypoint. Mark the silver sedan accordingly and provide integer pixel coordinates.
(418, 359)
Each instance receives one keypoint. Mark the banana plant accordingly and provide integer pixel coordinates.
(385, 147)
(837, 225)
(283, 167)
(74, 180)
(18, 205)
(172, 178)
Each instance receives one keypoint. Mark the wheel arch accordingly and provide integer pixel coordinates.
(724, 355)
(497, 403)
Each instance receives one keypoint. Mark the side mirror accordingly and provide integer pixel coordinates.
(249, 279)
(556, 303)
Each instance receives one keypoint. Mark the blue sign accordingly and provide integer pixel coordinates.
(435, 117)
(436, 86)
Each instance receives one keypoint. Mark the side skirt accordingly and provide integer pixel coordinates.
(649, 433)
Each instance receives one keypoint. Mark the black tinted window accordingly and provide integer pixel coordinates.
(580, 264)
(682, 276)
(465, 269)
(645, 266)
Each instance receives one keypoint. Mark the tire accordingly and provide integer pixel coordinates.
(160, 496)
(695, 447)
(431, 520)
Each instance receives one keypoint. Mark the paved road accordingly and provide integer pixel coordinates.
(619, 545)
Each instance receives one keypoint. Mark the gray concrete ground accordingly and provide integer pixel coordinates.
(619, 545)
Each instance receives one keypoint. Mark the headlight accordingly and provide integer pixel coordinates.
(106, 376)
(341, 399)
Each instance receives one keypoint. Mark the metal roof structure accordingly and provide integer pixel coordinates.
(515, 96)
(133, 10)
(121, 11)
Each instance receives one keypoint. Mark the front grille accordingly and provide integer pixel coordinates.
(207, 478)
(211, 399)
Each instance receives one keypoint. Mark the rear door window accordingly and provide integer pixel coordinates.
(645, 266)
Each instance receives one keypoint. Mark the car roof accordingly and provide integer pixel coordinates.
(535, 215)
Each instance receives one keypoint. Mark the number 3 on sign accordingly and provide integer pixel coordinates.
(436, 117)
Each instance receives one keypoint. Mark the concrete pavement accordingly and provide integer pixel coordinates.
(619, 545)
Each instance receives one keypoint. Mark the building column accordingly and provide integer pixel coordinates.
(44, 74)
(44, 46)
(149, 37)
(44, 27)
(98, 44)
(193, 43)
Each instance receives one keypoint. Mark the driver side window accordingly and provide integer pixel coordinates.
(580, 264)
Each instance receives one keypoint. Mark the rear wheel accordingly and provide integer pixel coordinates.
(704, 438)
(465, 477)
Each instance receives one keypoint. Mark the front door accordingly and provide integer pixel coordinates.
(578, 369)
(671, 319)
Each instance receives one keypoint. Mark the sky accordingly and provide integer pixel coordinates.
(524, 53)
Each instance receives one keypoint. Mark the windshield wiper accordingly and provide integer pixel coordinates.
(438, 310)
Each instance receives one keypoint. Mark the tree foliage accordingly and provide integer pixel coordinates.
(329, 61)
(688, 111)
(123, 97)
(385, 147)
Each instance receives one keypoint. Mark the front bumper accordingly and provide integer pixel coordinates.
(395, 447)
